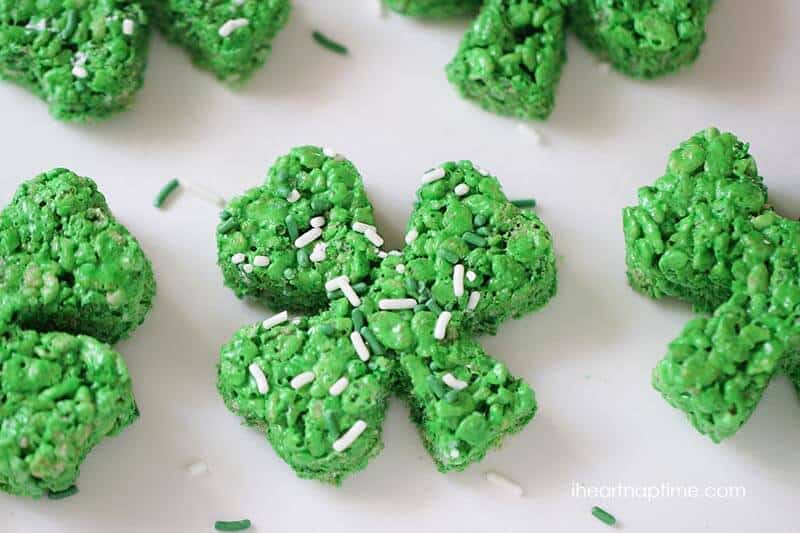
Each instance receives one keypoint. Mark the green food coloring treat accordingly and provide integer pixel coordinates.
(85, 58)
(706, 233)
(643, 39)
(73, 279)
(231, 38)
(434, 9)
(318, 386)
(510, 61)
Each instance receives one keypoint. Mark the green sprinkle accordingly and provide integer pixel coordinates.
(474, 239)
(420, 307)
(483, 230)
(358, 319)
(165, 192)
(374, 344)
(530, 202)
(291, 226)
(448, 256)
(302, 258)
(360, 288)
(60, 495)
(228, 225)
(328, 43)
(433, 306)
(480, 220)
(411, 286)
(451, 396)
(435, 384)
(603, 516)
(326, 329)
(330, 421)
(225, 215)
(72, 24)
(238, 525)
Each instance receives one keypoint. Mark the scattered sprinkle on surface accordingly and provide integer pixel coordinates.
(274, 320)
(461, 189)
(338, 387)
(197, 469)
(433, 175)
(504, 483)
(525, 203)
(164, 193)
(350, 436)
(232, 25)
(330, 44)
(453, 382)
(66, 493)
(440, 330)
(474, 298)
(303, 379)
(411, 236)
(203, 194)
(603, 515)
(261, 380)
(235, 525)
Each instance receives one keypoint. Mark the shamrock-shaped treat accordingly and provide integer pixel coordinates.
(434, 8)
(231, 38)
(86, 58)
(643, 39)
(705, 233)
(72, 280)
(378, 323)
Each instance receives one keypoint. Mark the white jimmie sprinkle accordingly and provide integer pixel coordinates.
(350, 436)
(480, 170)
(127, 26)
(231, 26)
(293, 196)
(308, 237)
(261, 379)
(504, 483)
(382, 254)
(458, 280)
(411, 236)
(247, 268)
(396, 304)
(471, 276)
(360, 227)
(238, 258)
(338, 387)
(441, 325)
(319, 253)
(400, 268)
(302, 380)
(433, 175)
(343, 284)
(327, 151)
(39, 25)
(474, 298)
(261, 261)
(358, 344)
(317, 222)
(79, 71)
(197, 469)
(201, 193)
(461, 189)
(373, 237)
(453, 382)
(274, 320)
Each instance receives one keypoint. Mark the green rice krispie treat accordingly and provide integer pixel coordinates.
(72, 279)
(86, 58)
(318, 386)
(705, 233)
(434, 9)
(643, 39)
(231, 38)
(510, 61)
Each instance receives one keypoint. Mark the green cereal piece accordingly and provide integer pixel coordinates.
(643, 39)
(603, 516)
(82, 58)
(236, 525)
(434, 9)
(510, 61)
(229, 38)
(330, 44)
(73, 279)
(71, 491)
(165, 192)
(705, 233)
(328, 424)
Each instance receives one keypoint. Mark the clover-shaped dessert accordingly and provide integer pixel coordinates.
(86, 58)
(705, 233)
(396, 322)
(510, 60)
(72, 280)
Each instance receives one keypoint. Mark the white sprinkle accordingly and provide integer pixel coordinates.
(474, 298)
(274, 320)
(40, 25)
(382, 254)
(358, 344)
(302, 380)
(400, 268)
(197, 469)
(504, 483)
(458, 280)
(433, 175)
(261, 379)
(202, 193)
(317, 222)
(261, 261)
(480, 170)
(308, 237)
(441, 325)
(396, 304)
(343, 283)
(454, 453)
(350, 436)
(293, 196)
(238, 258)
(79, 71)
(80, 58)
(248, 268)
(127, 26)
(453, 382)
(461, 189)
(525, 129)
(338, 387)
(373, 237)
(335, 283)
(330, 152)
(360, 227)
(471, 276)
(395, 252)
(319, 253)
(231, 26)
(411, 236)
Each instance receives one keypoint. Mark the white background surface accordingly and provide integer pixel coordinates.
(389, 108)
